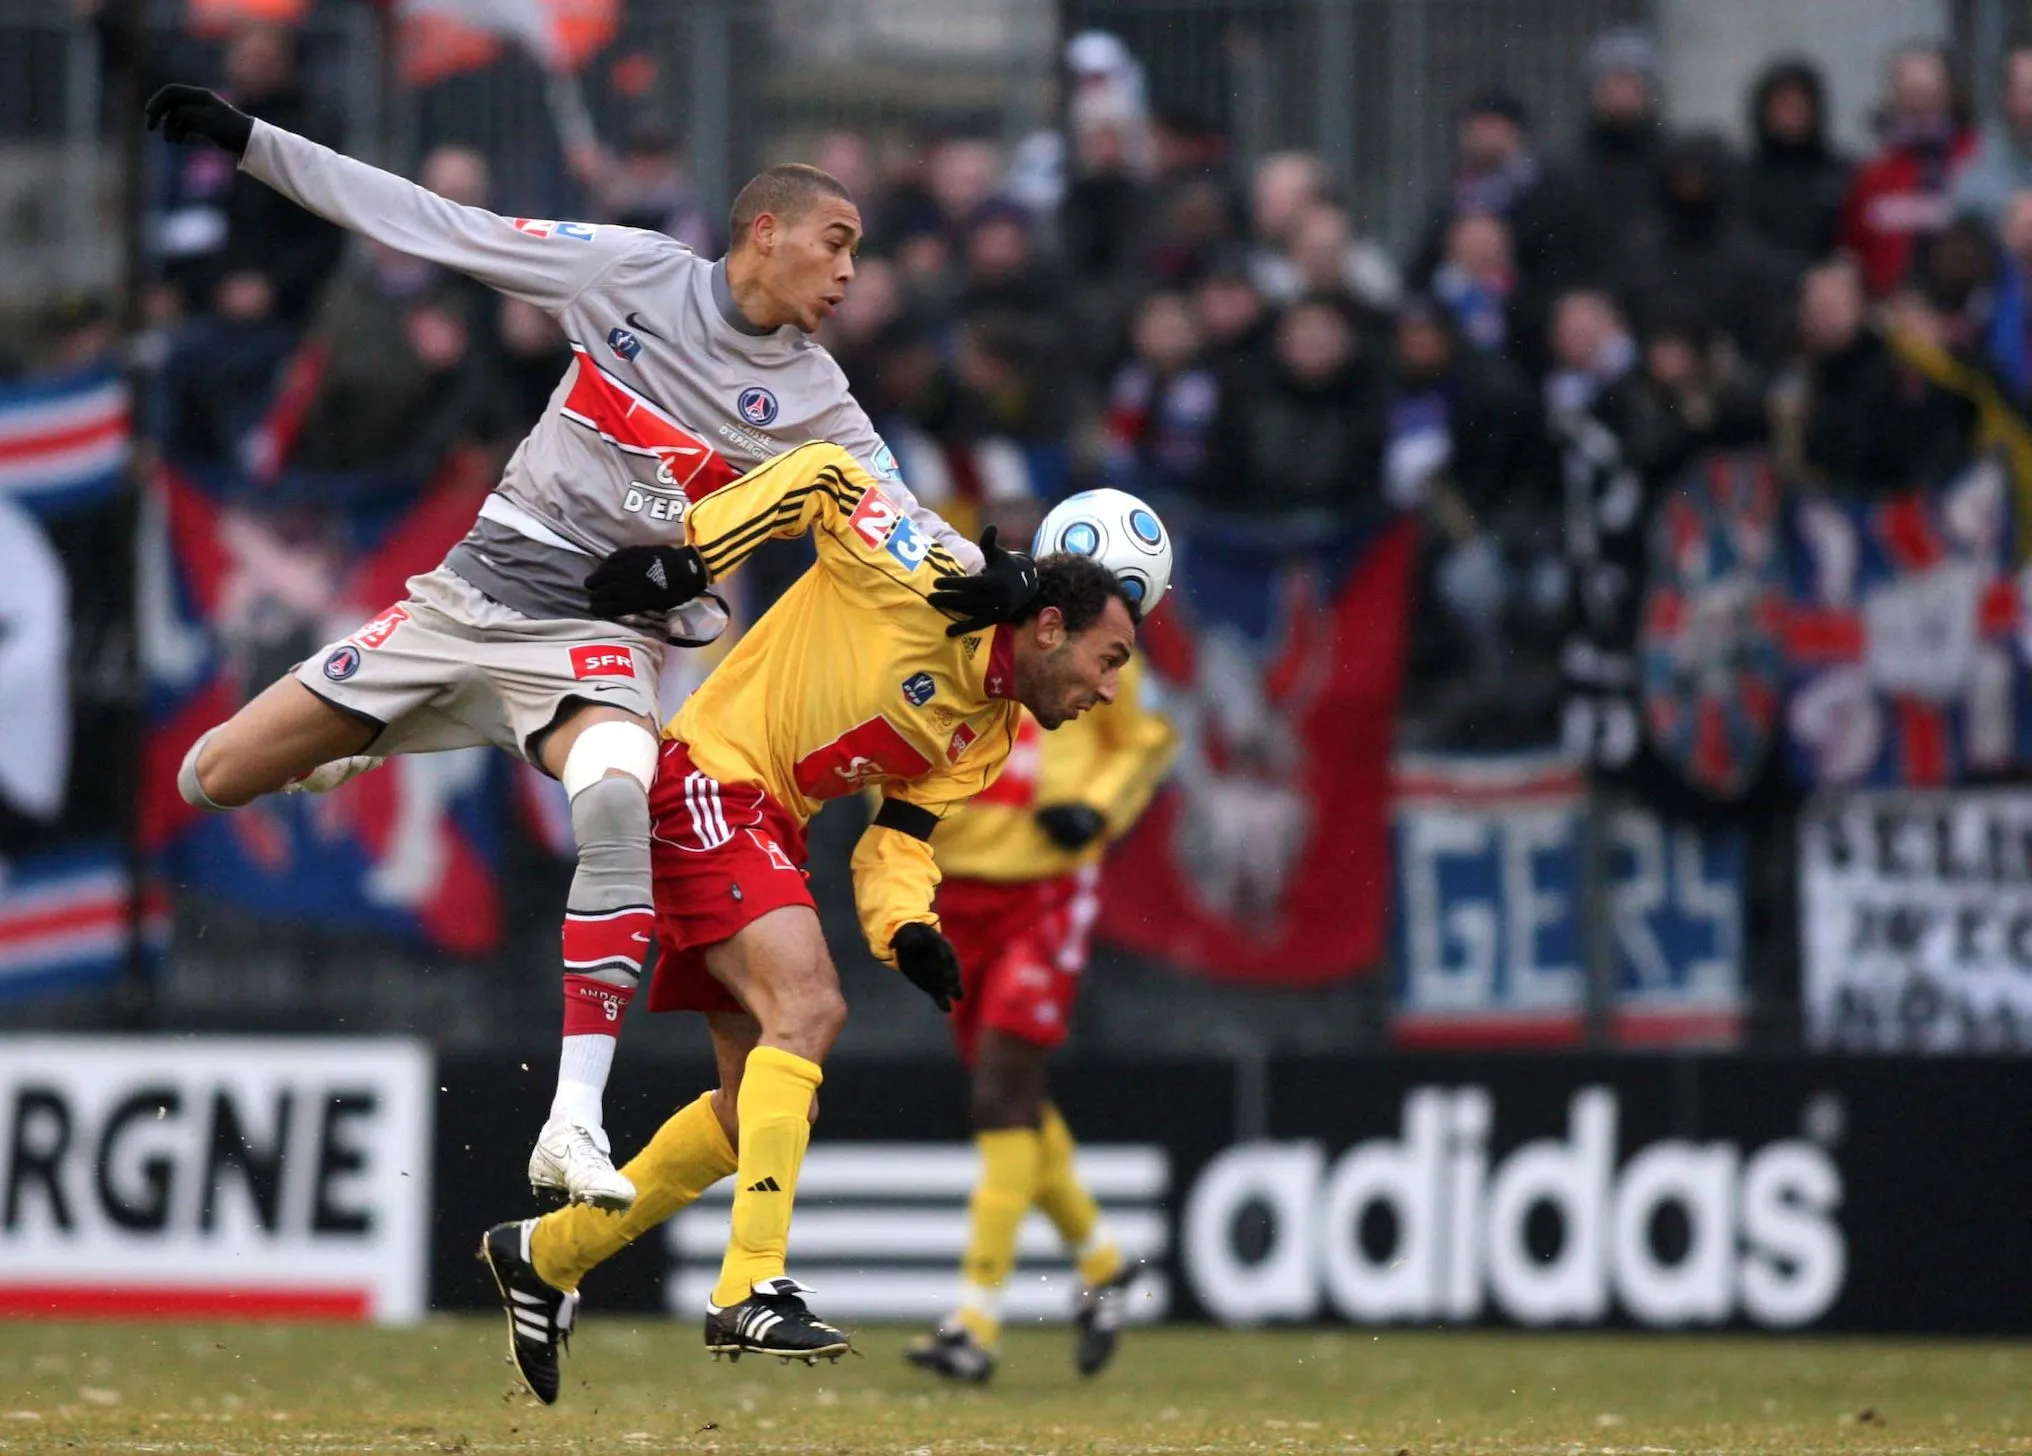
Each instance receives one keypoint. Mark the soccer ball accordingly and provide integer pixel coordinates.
(1118, 531)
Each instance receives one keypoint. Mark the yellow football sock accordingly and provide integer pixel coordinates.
(688, 1155)
(1008, 1182)
(1072, 1210)
(774, 1113)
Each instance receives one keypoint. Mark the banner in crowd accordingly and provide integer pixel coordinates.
(1902, 635)
(1267, 859)
(1492, 914)
(214, 1178)
(1709, 662)
(239, 582)
(1916, 921)
(67, 909)
(1522, 1190)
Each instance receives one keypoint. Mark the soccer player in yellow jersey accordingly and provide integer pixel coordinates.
(1021, 867)
(856, 678)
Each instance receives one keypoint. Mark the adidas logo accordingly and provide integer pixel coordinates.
(973, 645)
(767, 1185)
(658, 575)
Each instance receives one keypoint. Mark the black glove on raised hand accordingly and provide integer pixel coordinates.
(638, 580)
(184, 111)
(929, 962)
(1071, 826)
(1002, 587)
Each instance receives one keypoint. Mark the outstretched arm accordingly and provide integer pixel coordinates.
(545, 263)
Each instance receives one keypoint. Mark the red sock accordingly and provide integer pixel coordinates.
(597, 946)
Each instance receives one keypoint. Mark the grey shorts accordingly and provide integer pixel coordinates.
(450, 667)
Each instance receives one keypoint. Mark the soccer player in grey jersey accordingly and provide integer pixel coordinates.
(544, 629)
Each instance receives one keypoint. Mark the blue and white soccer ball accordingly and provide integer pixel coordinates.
(1118, 531)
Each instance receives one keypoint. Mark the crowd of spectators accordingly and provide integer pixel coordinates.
(1571, 325)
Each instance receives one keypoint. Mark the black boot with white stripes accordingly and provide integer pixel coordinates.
(772, 1321)
(539, 1317)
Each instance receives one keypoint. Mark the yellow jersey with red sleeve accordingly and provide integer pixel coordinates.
(849, 682)
(1110, 759)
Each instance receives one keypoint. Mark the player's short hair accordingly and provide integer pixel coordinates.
(1080, 587)
(786, 191)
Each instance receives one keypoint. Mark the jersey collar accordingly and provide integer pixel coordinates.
(998, 677)
(723, 299)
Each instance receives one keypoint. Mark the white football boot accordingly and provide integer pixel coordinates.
(574, 1160)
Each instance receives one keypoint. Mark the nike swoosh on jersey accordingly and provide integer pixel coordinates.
(634, 321)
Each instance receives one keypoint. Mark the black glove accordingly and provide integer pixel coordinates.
(1002, 587)
(182, 111)
(638, 580)
(928, 960)
(1071, 826)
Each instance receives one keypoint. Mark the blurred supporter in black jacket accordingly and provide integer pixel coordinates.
(1795, 180)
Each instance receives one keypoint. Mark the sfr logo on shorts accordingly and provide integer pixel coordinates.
(382, 627)
(602, 661)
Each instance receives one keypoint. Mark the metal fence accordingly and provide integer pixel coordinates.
(1371, 85)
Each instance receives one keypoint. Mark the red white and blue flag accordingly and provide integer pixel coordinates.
(67, 904)
(234, 587)
(1906, 666)
(64, 441)
(1267, 859)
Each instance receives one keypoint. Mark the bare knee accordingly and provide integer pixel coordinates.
(281, 735)
(808, 1023)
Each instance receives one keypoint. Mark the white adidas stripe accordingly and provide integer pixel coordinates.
(702, 797)
(710, 791)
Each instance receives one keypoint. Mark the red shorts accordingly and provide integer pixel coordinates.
(1022, 948)
(722, 856)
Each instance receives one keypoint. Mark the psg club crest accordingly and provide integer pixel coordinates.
(757, 406)
(343, 663)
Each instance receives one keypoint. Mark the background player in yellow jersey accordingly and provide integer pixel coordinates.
(1020, 890)
(856, 678)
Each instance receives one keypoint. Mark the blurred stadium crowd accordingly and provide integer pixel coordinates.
(1578, 322)
(1140, 311)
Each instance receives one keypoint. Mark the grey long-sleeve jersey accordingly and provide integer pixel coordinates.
(670, 394)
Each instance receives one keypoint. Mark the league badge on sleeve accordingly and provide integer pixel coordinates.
(882, 464)
(919, 689)
(624, 343)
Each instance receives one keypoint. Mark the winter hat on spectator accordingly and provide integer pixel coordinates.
(1497, 101)
(999, 209)
(1625, 48)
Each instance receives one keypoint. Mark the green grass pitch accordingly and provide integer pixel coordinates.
(635, 1386)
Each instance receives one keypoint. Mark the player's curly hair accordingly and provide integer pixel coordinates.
(1079, 587)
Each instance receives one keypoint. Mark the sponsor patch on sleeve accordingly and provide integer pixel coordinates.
(602, 660)
(378, 631)
(908, 544)
(874, 518)
(961, 740)
(543, 227)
